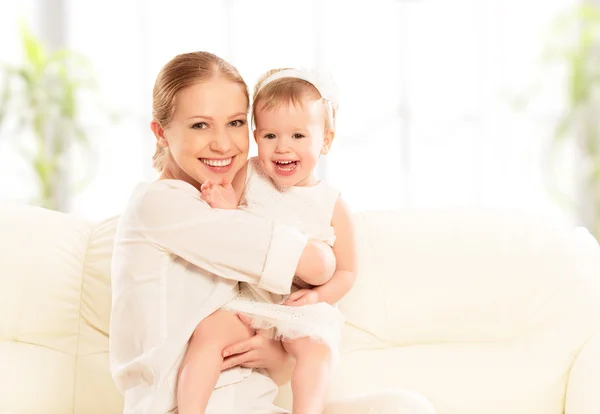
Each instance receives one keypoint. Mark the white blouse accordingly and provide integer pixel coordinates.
(176, 260)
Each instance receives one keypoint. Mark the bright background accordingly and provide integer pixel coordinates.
(428, 115)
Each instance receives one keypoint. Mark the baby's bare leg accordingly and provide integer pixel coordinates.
(202, 362)
(310, 380)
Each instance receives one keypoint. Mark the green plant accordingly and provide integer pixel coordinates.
(574, 44)
(40, 98)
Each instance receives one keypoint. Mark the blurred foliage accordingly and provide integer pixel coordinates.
(574, 44)
(40, 95)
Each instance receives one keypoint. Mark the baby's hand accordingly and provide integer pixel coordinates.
(219, 195)
(302, 297)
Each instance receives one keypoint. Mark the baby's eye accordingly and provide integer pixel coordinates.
(269, 136)
(200, 125)
(237, 123)
(298, 136)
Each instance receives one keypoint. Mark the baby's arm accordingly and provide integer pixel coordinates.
(220, 195)
(345, 253)
(225, 195)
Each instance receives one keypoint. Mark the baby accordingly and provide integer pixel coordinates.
(294, 115)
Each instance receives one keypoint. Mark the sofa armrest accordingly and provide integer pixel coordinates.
(582, 389)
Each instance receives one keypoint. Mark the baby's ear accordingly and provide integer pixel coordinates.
(329, 136)
(255, 137)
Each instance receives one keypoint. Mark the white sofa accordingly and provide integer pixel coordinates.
(481, 312)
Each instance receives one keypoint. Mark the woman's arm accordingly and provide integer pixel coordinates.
(345, 253)
(317, 263)
(232, 244)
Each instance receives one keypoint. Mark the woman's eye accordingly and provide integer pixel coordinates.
(237, 123)
(269, 136)
(200, 125)
(298, 136)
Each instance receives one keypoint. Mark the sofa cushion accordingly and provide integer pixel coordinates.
(55, 305)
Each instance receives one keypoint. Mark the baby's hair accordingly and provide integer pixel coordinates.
(180, 72)
(288, 90)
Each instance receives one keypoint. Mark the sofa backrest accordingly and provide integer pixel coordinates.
(471, 276)
(54, 307)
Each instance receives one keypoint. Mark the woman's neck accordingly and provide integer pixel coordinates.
(170, 173)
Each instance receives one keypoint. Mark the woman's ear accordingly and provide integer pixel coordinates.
(159, 133)
(329, 136)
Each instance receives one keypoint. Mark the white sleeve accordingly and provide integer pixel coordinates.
(232, 244)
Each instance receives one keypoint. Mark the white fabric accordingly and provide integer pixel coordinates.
(584, 379)
(254, 395)
(175, 262)
(392, 401)
(309, 209)
(478, 311)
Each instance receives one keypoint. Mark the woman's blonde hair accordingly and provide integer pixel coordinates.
(180, 72)
(288, 90)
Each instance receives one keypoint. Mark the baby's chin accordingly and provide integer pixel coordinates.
(281, 182)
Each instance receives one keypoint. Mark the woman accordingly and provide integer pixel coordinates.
(176, 260)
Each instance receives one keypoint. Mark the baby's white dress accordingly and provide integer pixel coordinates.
(309, 209)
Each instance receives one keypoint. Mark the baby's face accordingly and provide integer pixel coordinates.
(290, 139)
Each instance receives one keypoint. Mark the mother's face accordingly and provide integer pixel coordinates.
(208, 135)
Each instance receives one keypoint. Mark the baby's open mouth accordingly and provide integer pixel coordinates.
(286, 165)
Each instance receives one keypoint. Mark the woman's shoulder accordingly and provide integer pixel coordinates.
(161, 197)
(169, 185)
(160, 188)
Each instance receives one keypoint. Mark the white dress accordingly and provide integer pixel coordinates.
(309, 209)
(176, 261)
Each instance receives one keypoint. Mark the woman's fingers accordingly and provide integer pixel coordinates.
(243, 346)
(296, 303)
(253, 364)
(240, 347)
(230, 362)
(245, 319)
(248, 322)
(303, 297)
(294, 296)
(246, 359)
(248, 353)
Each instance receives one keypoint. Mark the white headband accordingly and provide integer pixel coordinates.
(322, 82)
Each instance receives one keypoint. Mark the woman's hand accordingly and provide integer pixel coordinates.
(302, 297)
(259, 352)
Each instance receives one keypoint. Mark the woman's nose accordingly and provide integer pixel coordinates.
(221, 142)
